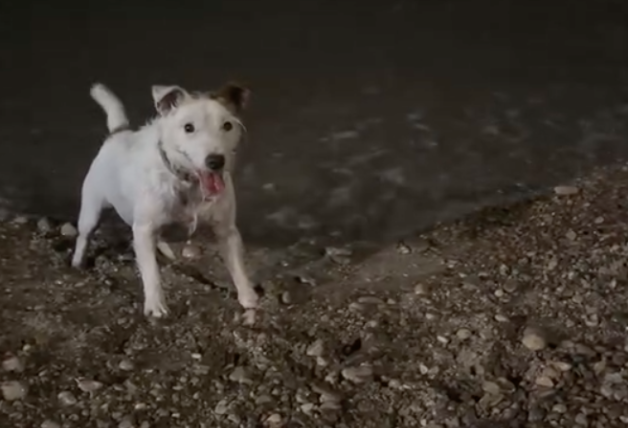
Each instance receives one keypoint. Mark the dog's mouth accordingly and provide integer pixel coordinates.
(212, 183)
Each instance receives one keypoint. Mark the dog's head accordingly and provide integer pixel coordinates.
(200, 132)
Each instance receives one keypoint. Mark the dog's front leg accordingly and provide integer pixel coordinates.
(144, 245)
(233, 255)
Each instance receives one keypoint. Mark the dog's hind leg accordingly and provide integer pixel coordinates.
(91, 207)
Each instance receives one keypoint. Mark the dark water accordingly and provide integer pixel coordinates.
(369, 119)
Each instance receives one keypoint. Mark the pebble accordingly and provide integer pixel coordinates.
(240, 375)
(463, 334)
(370, 300)
(127, 422)
(13, 364)
(13, 390)
(566, 190)
(286, 298)
(274, 419)
(68, 230)
(88, 385)
(358, 374)
(43, 225)
(248, 318)
(533, 339)
(420, 289)
(126, 365)
(49, 424)
(190, 251)
(316, 349)
(67, 398)
(222, 407)
(403, 248)
(491, 388)
(544, 381)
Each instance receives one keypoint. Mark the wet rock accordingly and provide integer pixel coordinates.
(359, 374)
(533, 339)
(88, 385)
(13, 390)
(49, 424)
(566, 190)
(68, 230)
(13, 364)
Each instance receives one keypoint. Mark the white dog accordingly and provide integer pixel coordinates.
(177, 168)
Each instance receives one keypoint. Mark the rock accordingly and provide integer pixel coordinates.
(126, 422)
(222, 407)
(49, 424)
(190, 251)
(67, 398)
(463, 334)
(330, 405)
(21, 219)
(43, 225)
(126, 365)
(420, 289)
(274, 420)
(68, 230)
(370, 300)
(13, 390)
(358, 374)
(13, 364)
(88, 385)
(491, 388)
(559, 408)
(248, 318)
(240, 375)
(403, 248)
(316, 349)
(286, 298)
(566, 190)
(544, 381)
(533, 339)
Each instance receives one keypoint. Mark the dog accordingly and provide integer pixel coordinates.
(175, 169)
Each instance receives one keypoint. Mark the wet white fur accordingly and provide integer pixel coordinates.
(129, 175)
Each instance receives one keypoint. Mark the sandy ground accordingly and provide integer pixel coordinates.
(515, 317)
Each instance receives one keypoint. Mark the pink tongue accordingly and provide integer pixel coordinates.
(212, 183)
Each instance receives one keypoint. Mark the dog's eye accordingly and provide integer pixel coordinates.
(227, 126)
(189, 128)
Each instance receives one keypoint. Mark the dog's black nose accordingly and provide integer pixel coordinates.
(215, 162)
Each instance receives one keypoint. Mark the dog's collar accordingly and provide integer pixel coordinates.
(177, 172)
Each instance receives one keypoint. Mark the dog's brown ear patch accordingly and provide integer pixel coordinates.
(234, 96)
(166, 98)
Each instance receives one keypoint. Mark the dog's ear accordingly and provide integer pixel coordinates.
(234, 96)
(166, 98)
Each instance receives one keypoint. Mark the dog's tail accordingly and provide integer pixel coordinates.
(116, 116)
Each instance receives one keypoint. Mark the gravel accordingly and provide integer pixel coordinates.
(513, 317)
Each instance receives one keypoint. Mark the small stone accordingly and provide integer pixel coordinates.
(222, 407)
(274, 420)
(420, 289)
(571, 235)
(88, 385)
(43, 225)
(286, 298)
(581, 419)
(240, 375)
(13, 364)
(126, 365)
(562, 366)
(248, 318)
(68, 230)
(533, 339)
(566, 190)
(316, 349)
(370, 300)
(463, 334)
(126, 422)
(307, 408)
(49, 424)
(67, 398)
(20, 220)
(491, 388)
(501, 318)
(358, 374)
(442, 339)
(403, 248)
(559, 408)
(13, 390)
(330, 405)
(544, 381)
(190, 251)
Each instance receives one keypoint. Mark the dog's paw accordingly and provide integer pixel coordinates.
(155, 307)
(248, 298)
